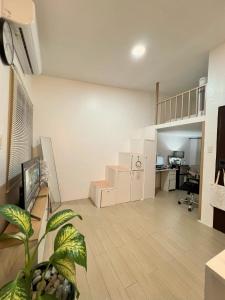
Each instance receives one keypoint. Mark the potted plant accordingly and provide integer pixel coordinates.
(56, 278)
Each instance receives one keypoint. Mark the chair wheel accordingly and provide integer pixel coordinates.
(189, 208)
(179, 202)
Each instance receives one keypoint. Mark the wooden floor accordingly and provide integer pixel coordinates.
(151, 249)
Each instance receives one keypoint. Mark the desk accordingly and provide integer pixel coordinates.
(166, 179)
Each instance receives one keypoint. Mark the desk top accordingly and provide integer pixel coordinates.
(164, 170)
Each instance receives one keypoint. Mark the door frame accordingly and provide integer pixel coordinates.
(201, 171)
(201, 159)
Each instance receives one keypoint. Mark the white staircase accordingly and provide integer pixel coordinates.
(114, 189)
(122, 182)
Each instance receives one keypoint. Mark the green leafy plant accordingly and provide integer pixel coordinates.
(69, 250)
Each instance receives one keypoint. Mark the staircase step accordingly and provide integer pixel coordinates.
(102, 184)
(118, 168)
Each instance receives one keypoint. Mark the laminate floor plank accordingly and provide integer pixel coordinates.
(144, 250)
(112, 281)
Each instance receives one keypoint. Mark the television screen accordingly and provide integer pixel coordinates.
(30, 182)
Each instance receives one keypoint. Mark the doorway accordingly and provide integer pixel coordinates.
(179, 160)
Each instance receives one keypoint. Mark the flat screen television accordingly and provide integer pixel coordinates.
(30, 183)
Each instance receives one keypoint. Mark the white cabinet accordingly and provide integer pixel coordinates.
(114, 190)
(123, 187)
(110, 173)
(149, 173)
(165, 181)
(132, 161)
(107, 197)
(168, 180)
(101, 190)
(137, 185)
(172, 180)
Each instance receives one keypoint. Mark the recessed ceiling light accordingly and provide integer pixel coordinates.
(138, 51)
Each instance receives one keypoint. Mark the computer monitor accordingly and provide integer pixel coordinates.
(159, 161)
(178, 154)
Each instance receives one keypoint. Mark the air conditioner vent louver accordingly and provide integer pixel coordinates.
(21, 16)
(26, 50)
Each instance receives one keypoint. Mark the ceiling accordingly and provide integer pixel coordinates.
(187, 130)
(91, 40)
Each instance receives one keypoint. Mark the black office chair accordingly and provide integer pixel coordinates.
(192, 188)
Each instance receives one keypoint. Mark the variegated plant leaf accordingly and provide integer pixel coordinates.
(75, 248)
(61, 218)
(15, 290)
(67, 233)
(65, 266)
(80, 251)
(17, 236)
(46, 297)
(17, 216)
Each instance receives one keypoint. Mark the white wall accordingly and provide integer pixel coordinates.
(4, 104)
(215, 98)
(167, 143)
(195, 152)
(89, 124)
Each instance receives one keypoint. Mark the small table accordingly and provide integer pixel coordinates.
(167, 179)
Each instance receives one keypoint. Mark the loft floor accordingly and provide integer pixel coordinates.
(151, 249)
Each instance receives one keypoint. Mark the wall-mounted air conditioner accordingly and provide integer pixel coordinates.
(22, 17)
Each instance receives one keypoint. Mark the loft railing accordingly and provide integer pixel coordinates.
(185, 105)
